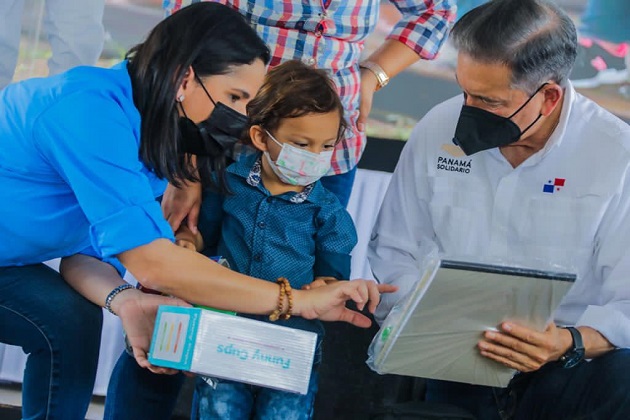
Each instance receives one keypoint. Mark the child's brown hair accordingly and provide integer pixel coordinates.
(292, 90)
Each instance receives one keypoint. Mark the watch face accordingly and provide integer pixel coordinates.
(572, 358)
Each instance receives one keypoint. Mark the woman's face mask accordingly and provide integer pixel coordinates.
(297, 166)
(216, 134)
(478, 129)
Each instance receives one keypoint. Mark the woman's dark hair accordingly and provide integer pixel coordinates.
(534, 38)
(211, 38)
(292, 90)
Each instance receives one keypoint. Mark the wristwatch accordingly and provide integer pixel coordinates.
(576, 353)
(381, 77)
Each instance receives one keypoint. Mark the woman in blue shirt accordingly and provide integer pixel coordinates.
(82, 157)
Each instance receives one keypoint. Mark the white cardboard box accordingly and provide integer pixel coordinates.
(232, 347)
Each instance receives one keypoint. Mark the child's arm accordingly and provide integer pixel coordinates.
(319, 282)
(336, 237)
(185, 238)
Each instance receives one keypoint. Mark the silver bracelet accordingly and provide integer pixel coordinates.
(110, 297)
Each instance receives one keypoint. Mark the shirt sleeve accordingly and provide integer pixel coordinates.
(402, 236)
(91, 142)
(336, 237)
(610, 314)
(424, 25)
(113, 261)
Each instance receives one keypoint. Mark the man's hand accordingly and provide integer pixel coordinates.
(525, 349)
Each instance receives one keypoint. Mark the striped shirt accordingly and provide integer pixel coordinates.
(330, 34)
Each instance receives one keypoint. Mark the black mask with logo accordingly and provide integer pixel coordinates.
(215, 135)
(478, 129)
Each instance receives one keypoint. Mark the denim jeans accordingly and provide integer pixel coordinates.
(595, 390)
(136, 393)
(229, 400)
(60, 331)
(340, 185)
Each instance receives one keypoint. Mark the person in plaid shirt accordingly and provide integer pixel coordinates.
(330, 35)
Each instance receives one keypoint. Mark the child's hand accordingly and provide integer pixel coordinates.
(319, 282)
(185, 243)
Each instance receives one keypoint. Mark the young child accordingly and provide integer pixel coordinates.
(279, 221)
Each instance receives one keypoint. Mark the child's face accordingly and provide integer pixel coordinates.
(313, 132)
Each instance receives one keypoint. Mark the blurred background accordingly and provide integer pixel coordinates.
(600, 72)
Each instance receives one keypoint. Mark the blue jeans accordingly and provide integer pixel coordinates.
(599, 389)
(340, 185)
(230, 400)
(136, 393)
(60, 330)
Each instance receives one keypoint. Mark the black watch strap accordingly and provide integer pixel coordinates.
(576, 353)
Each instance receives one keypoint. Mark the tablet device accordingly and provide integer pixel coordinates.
(434, 332)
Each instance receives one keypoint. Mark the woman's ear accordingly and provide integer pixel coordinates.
(186, 84)
(258, 137)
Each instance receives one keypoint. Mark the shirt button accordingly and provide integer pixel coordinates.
(258, 257)
(269, 199)
(262, 225)
(309, 61)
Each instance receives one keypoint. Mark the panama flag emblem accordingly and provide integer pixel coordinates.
(553, 185)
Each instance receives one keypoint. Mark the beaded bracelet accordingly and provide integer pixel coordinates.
(110, 297)
(285, 290)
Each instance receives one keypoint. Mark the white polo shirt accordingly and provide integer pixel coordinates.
(566, 206)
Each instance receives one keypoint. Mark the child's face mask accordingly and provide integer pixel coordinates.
(297, 166)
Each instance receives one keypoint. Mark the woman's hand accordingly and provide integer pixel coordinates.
(182, 203)
(328, 303)
(137, 311)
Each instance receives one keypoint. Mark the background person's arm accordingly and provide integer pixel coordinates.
(419, 34)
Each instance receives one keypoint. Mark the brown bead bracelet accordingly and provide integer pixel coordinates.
(285, 290)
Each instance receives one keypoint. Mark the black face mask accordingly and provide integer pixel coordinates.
(215, 135)
(478, 129)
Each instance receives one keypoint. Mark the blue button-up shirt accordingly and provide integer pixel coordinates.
(70, 177)
(294, 235)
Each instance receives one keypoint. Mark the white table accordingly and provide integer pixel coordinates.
(367, 195)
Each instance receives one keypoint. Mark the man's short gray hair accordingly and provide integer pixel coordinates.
(534, 38)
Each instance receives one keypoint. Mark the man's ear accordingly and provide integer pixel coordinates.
(187, 82)
(553, 94)
(258, 137)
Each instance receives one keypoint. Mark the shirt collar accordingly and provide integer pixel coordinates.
(250, 168)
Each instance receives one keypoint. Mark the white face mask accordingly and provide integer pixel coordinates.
(297, 166)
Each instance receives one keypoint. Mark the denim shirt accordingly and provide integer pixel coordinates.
(294, 235)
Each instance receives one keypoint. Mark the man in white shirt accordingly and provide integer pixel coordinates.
(527, 170)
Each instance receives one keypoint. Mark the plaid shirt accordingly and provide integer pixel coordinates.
(330, 34)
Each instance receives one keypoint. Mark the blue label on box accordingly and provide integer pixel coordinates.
(174, 337)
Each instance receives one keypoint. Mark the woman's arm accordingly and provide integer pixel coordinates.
(165, 267)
